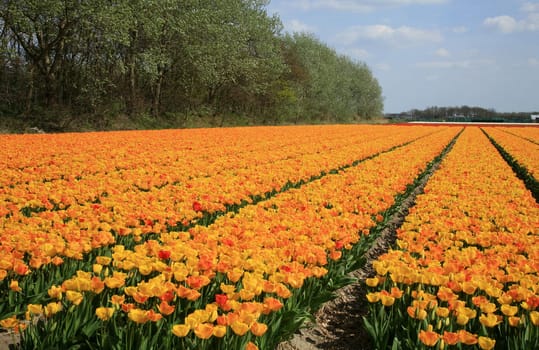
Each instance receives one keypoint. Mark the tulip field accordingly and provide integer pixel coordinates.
(464, 273)
(232, 238)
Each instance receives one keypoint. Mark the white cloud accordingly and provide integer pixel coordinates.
(382, 66)
(533, 62)
(397, 36)
(339, 5)
(507, 24)
(441, 52)
(532, 22)
(358, 53)
(460, 30)
(410, 2)
(298, 26)
(463, 64)
(445, 64)
(530, 7)
(358, 5)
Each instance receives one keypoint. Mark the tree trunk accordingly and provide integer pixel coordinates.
(29, 92)
(157, 94)
(131, 64)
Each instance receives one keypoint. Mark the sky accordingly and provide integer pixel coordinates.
(428, 53)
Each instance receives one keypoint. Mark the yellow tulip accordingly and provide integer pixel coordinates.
(462, 319)
(74, 297)
(104, 313)
(180, 330)
(489, 320)
(372, 282)
(138, 315)
(387, 300)
(534, 318)
(35, 309)
(52, 308)
(97, 268)
(373, 297)
(509, 310)
(442, 312)
(103, 260)
(239, 328)
(486, 343)
(219, 331)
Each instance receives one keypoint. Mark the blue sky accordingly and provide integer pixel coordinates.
(432, 52)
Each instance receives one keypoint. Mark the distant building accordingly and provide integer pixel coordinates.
(535, 117)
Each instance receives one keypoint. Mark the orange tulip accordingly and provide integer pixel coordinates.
(204, 330)
(450, 338)
(271, 305)
(429, 338)
(165, 308)
(466, 337)
(417, 313)
(258, 329)
(251, 346)
(10, 322)
(514, 321)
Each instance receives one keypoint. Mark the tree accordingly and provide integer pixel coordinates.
(92, 60)
(41, 28)
(333, 87)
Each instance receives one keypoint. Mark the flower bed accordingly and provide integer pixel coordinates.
(465, 270)
(246, 280)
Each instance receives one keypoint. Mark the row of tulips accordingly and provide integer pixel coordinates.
(245, 281)
(193, 172)
(45, 222)
(529, 133)
(464, 273)
(54, 157)
(522, 150)
(66, 156)
(521, 153)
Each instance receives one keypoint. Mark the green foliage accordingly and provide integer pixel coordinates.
(332, 87)
(223, 60)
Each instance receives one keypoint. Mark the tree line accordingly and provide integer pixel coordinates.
(70, 62)
(463, 113)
